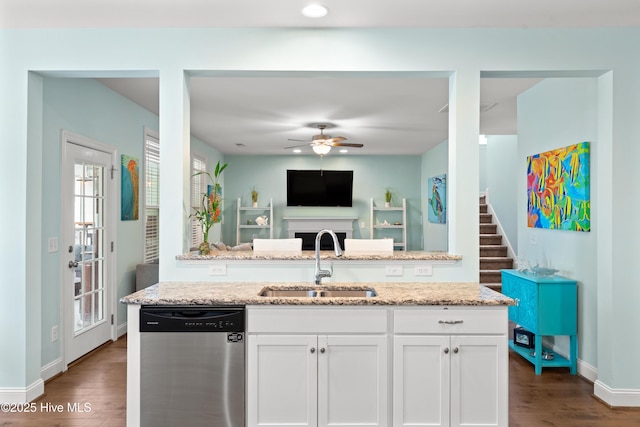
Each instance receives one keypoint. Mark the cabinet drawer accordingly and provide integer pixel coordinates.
(490, 320)
(316, 320)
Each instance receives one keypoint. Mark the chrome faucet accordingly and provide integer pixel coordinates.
(319, 273)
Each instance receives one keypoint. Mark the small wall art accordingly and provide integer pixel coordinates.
(437, 199)
(558, 189)
(129, 186)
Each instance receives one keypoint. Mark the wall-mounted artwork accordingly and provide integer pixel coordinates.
(558, 189)
(215, 199)
(130, 184)
(437, 199)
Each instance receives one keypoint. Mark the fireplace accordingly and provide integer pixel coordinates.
(326, 242)
(307, 228)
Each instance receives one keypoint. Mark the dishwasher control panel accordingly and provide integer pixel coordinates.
(191, 319)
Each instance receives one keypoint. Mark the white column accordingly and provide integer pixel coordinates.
(174, 168)
(463, 177)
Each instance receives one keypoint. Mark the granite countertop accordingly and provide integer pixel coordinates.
(246, 293)
(328, 255)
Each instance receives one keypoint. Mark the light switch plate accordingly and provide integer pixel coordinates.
(393, 270)
(218, 270)
(53, 244)
(423, 270)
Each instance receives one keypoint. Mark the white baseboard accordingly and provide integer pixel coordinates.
(22, 394)
(122, 329)
(52, 369)
(616, 397)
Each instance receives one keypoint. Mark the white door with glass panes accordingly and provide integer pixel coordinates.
(87, 212)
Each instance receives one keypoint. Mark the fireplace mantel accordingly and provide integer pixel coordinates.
(308, 224)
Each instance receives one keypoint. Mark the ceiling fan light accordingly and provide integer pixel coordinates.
(314, 11)
(321, 149)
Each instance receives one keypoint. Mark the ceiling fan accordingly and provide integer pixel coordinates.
(321, 144)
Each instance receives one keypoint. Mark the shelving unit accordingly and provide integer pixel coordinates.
(396, 217)
(246, 221)
(546, 306)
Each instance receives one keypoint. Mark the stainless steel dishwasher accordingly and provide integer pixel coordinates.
(192, 361)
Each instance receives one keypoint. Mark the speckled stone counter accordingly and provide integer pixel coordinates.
(310, 255)
(395, 293)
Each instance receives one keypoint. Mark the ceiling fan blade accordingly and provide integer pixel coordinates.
(347, 144)
(296, 146)
(298, 140)
(334, 141)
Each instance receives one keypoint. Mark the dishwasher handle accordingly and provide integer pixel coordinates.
(191, 319)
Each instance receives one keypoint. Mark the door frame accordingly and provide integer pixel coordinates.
(110, 236)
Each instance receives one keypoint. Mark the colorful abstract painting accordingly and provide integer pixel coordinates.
(130, 185)
(215, 199)
(558, 189)
(437, 199)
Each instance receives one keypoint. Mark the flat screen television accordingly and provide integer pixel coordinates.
(319, 188)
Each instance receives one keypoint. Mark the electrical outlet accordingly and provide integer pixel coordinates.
(362, 224)
(54, 333)
(53, 244)
(218, 270)
(393, 270)
(533, 238)
(423, 270)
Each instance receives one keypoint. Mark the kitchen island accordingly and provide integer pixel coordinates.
(416, 353)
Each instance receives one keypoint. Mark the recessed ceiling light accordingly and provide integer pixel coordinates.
(297, 150)
(344, 150)
(314, 11)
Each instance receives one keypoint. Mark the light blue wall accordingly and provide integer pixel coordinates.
(502, 166)
(371, 176)
(553, 114)
(464, 54)
(88, 108)
(434, 162)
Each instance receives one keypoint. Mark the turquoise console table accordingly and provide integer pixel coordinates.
(545, 306)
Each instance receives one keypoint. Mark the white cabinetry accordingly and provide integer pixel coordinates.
(450, 367)
(246, 220)
(316, 379)
(389, 222)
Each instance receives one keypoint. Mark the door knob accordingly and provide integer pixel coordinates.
(446, 350)
(313, 350)
(322, 350)
(73, 264)
(455, 350)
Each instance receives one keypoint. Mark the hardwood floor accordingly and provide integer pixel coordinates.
(553, 399)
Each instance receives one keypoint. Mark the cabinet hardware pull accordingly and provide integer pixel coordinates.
(446, 350)
(313, 350)
(322, 350)
(455, 350)
(450, 322)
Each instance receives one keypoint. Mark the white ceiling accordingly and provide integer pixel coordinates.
(388, 116)
(286, 13)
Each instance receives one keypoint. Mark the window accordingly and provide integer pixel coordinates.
(151, 197)
(198, 188)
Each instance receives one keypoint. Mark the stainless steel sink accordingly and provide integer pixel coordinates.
(348, 293)
(319, 293)
(288, 293)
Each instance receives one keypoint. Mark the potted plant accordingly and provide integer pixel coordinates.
(387, 197)
(208, 213)
(254, 197)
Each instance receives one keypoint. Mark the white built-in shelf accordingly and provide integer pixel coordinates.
(249, 214)
(393, 215)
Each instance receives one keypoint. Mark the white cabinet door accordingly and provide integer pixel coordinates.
(479, 381)
(282, 380)
(421, 380)
(352, 381)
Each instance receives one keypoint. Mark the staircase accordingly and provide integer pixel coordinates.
(493, 254)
